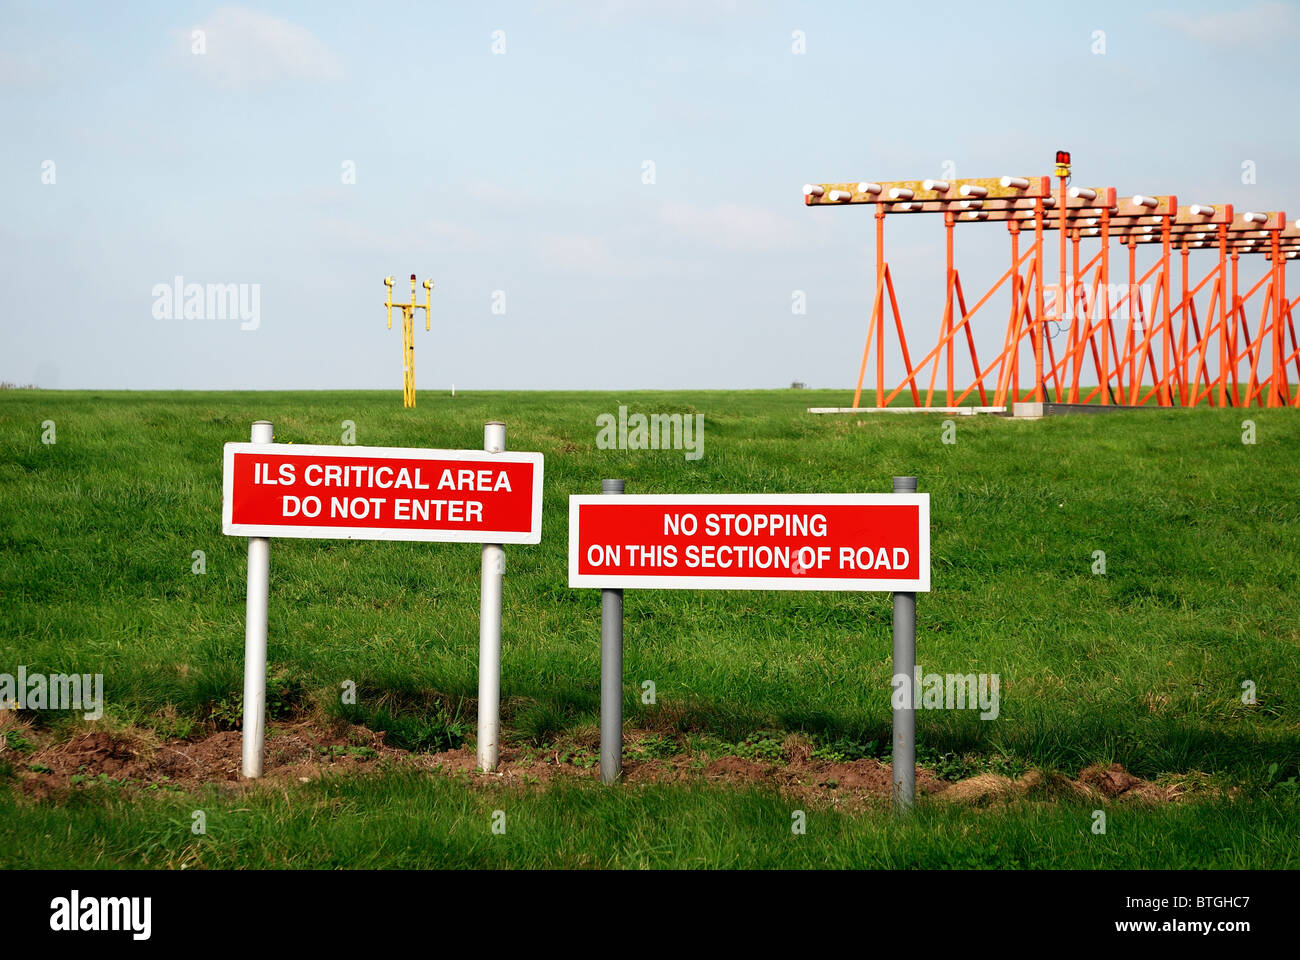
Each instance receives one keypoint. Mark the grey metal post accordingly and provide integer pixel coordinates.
(611, 672)
(492, 566)
(905, 666)
(255, 615)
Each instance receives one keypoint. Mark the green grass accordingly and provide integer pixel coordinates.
(410, 821)
(1143, 665)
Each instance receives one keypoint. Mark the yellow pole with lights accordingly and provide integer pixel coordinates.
(408, 333)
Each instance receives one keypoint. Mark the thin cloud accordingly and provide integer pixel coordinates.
(733, 227)
(374, 237)
(608, 11)
(594, 256)
(1267, 24)
(581, 252)
(23, 70)
(244, 49)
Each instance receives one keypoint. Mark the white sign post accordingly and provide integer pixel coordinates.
(491, 570)
(489, 497)
(255, 619)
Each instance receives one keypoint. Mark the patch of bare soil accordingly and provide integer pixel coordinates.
(304, 751)
(1114, 782)
(300, 751)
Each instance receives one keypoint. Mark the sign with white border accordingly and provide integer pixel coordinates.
(381, 493)
(794, 541)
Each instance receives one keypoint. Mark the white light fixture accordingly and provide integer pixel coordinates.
(1254, 217)
(1020, 183)
(839, 196)
(973, 190)
(939, 186)
(1087, 193)
(972, 204)
(1200, 210)
(813, 190)
(900, 193)
(871, 188)
(1149, 202)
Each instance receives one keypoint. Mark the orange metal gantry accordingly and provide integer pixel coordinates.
(1151, 337)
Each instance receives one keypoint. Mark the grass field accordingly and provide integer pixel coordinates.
(1142, 666)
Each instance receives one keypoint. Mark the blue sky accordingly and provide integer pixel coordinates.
(523, 172)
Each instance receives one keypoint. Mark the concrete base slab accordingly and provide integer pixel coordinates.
(1034, 410)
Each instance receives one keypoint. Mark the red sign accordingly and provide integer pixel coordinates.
(381, 493)
(851, 541)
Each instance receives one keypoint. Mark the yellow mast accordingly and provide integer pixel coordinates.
(408, 333)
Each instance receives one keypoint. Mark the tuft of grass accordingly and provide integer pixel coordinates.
(539, 724)
(653, 748)
(765, 746)
(410, 720)
(285, 698)
(846, 750)
(15, 740)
